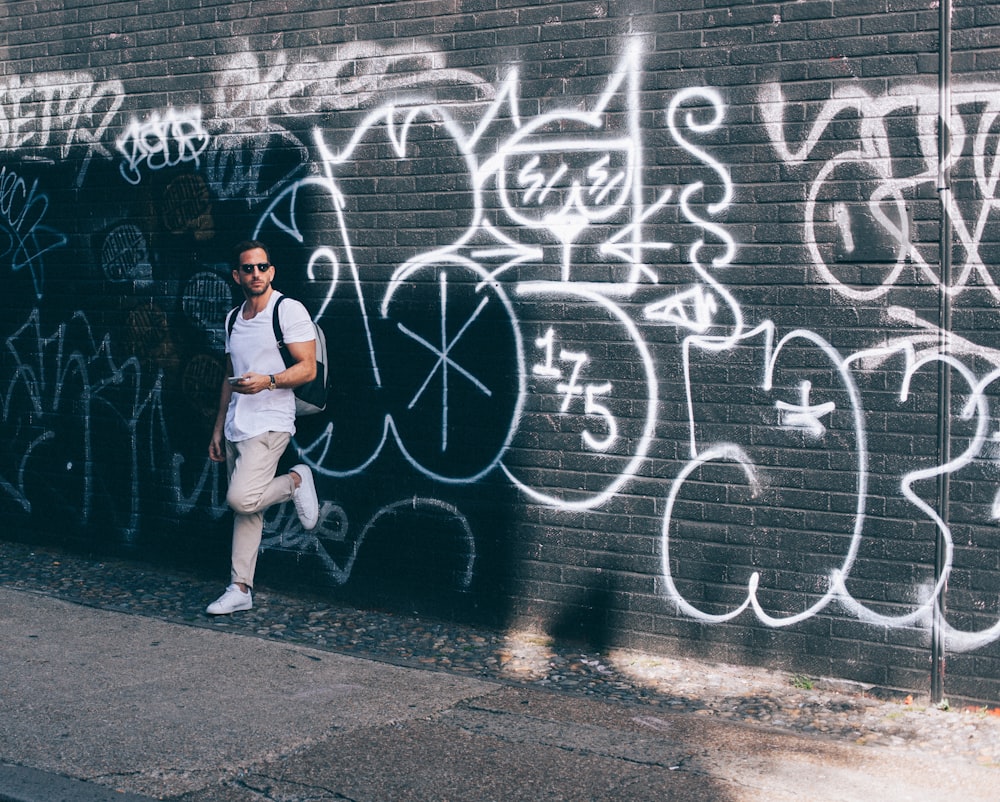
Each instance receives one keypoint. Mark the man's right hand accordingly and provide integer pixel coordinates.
(216, 452)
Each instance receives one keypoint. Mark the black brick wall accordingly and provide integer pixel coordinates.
(634, 308)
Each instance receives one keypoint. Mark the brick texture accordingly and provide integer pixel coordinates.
(635, 310)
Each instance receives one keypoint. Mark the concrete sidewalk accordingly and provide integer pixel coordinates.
(136, 707)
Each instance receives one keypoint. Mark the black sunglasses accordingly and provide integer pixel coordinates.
(263, 267)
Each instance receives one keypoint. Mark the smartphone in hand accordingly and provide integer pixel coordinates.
(236, 380)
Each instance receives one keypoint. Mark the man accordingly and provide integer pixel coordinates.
(256, 418)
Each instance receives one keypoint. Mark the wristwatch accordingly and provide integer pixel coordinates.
(272, 385)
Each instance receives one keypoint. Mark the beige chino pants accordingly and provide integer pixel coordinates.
(253, 488)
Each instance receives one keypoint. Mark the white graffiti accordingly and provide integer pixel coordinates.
(569, 178)
(572, 388)
(283, 531)
(166, 140)
(251, 100)
(60, 386)
(563, 186)
(877, 231)
(208, 482)
(548, 330)
(62, 111)
(53, 116)
(891, 181)
(443, 362)
(625, 463)
(707, 449)
(469, 285)
(567, 182)
(804, 415)
(28, 239)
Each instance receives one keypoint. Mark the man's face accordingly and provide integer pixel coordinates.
(249, 275)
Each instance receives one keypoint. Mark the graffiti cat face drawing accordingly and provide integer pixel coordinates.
(563, 183)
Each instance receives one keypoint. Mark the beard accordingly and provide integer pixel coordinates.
(255, 292)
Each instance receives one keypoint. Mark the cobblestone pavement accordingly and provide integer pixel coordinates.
(826, 708)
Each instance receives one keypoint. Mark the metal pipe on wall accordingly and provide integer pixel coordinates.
(945, 327)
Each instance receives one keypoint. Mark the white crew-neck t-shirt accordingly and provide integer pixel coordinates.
(251, 347)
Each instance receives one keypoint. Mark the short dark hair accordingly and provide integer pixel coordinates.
(248, 245)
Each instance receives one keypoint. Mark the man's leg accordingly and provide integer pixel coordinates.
(253, 488)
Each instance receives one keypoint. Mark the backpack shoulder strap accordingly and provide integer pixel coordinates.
(231, 319)
(276, 323)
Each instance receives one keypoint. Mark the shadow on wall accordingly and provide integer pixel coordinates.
(587, 620)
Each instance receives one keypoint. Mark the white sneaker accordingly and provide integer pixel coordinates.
(306, 502)
(231, 601)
